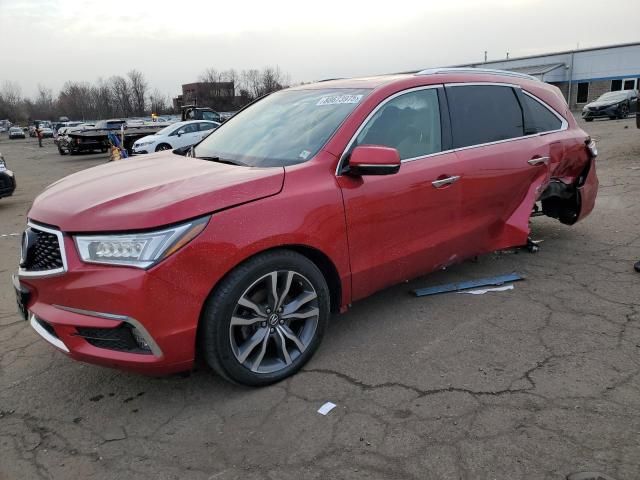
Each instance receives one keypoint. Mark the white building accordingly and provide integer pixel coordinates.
(582, 75)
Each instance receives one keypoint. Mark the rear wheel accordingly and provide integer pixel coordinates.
(61, 150)
(265, 319)
(163, 146)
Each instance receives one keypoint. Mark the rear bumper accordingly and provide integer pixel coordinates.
(7, 183)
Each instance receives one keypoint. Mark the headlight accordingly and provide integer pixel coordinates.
(141, 250)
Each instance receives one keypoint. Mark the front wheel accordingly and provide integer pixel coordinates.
(623, 111)
(61, 150)
(265, 319)
(162, 147)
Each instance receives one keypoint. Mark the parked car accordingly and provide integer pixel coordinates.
(638, 111)
(46, 132)
(311, 198)
(7, 179)
(67, 144)
(191, 112)
(16, 132)
(176, 135)
(612, 105)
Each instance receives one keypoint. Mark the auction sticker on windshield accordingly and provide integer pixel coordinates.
(339, 99)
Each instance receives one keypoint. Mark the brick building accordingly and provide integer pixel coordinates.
(218, 95)
(583, 74)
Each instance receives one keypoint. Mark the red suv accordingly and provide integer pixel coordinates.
(305, 201)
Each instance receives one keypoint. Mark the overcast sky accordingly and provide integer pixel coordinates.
(50, 41)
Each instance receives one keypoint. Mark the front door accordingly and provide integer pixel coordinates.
(401, 225)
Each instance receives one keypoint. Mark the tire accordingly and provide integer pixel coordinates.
(162, 147)
(61, 151)
(588, 119)
(623, 111)
(260, 348)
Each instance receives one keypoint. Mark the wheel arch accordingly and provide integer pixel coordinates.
(316, 256)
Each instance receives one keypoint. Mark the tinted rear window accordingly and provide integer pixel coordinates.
(483, 114)
(538, 118)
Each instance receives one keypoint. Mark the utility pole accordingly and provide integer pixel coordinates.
(485, 56)
(507, 55)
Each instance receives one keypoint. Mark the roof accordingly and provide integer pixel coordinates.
(476, 71)
(363, 82)
(537, 69)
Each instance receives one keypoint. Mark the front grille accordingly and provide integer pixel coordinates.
(42, 252)
(120, 338)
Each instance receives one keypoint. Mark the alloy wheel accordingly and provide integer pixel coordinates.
(274, 321)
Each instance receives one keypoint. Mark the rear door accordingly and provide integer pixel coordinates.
(204, 129)
(190, 135)
(504, 164)
(400, 226)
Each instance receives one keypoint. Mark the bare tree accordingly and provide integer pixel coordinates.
(121, 95)
(252, 82)
(43, 107)
(159, 103)
(11, 101)
(77, 101)
(138, 91)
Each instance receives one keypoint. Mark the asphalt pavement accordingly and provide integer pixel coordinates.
(531, 383)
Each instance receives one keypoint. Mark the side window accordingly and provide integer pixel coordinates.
(209, 116)
(205, 126)
(192, 127)
(537, 117)
(483, 114)
(410, 123)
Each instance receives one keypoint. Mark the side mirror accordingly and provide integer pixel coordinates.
(180, 132)
(374, 160)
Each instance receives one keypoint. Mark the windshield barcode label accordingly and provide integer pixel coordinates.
(339, 99)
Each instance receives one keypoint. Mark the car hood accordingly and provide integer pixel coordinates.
(150, 191)
(147, 138)
(606, 103)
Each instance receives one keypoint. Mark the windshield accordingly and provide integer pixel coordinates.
(612, 96)
(286, 128)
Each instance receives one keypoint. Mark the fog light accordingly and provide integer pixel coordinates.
(140, 340)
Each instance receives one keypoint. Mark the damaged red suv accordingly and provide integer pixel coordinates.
(307, 200)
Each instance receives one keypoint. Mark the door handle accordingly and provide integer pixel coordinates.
(445, 181)
(538, 161)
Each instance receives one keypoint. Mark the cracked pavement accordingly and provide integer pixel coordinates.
(537, 382)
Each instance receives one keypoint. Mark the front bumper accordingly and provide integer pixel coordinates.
(140, 150)
(7, 183)
(118, 317)
(611, 111)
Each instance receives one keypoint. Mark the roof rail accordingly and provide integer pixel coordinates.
(479, 71)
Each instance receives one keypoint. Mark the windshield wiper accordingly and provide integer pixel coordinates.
(223, 160)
